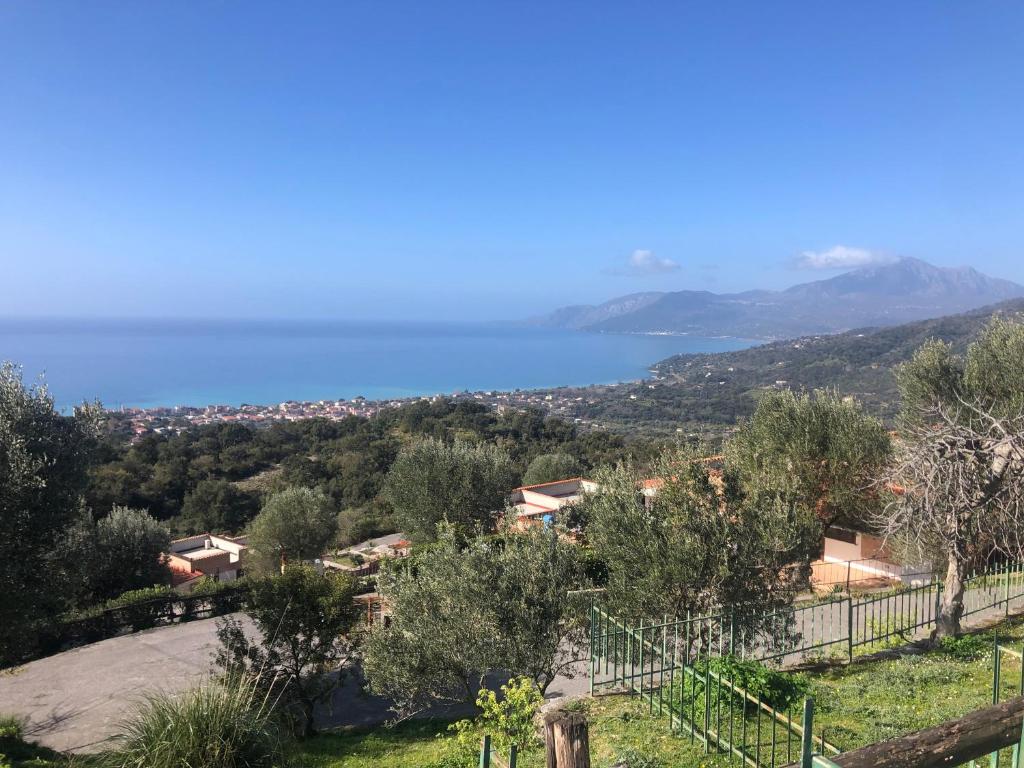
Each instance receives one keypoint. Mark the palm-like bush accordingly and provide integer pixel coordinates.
(222, 724)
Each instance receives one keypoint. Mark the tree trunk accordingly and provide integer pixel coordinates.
(308, 708)
(951, 608)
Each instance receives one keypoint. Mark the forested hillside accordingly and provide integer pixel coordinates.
(213, 477)
(701, 391)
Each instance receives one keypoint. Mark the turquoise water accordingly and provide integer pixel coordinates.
(152, 363)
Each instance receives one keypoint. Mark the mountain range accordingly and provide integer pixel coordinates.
(902, 291)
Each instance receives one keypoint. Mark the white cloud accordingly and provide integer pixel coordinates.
(644, 262)
(841, 257)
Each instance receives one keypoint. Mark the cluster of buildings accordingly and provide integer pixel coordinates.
(173, 420)
(176, 419)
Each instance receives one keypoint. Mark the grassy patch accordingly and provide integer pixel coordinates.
(413, 742)
(876, 700)
(621, 728)
(857, 705)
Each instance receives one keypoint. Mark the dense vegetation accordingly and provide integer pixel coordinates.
(215, 477)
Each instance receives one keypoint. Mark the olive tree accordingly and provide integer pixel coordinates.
(463, 610)
(461, 484)
(959, 473)
(304, 622)
(697, 545)
(123, 551)
(819, 449)
(44, 459)
(549, 467)
(295, 525)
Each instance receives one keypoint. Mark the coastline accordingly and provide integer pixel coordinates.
(558, 401)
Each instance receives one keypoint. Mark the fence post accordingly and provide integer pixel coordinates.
(1006, 573)
(807, 742)
(640, 629)
(593, 648)
(996, 669)
(485, 753)
(849, 627)
(513, 756)
(732, 632)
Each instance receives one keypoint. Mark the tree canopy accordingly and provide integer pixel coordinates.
(459, 483)
(295, 525)
(821, 450)
(124, 551)
(549, 467)
(959, 473)
(461, 610)
(699, 544)
(44, 457)
(217, 506)
(305, 622)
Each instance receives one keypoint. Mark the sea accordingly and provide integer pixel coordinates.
(149, 363)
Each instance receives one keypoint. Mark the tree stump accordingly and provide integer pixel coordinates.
(566, 741)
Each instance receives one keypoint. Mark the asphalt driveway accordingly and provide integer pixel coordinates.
(74, 701)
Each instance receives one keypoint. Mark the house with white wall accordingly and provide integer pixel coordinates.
(222, 558)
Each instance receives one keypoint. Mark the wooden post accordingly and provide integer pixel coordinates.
(566, 741)
(549, 738)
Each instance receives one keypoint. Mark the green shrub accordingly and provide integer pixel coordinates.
(779, 690)
(965, 647)
(222, 724)
(15, 752)
(145, 595)
(891, 631)
(224, 596)
(10, 727)
(507, 719)
(143, 608)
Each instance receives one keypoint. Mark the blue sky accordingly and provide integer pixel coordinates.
(476, 160)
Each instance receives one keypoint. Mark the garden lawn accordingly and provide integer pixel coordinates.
(868, 702)
(620, 728)
(879, 699)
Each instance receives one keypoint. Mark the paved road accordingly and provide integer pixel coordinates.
(75, 700)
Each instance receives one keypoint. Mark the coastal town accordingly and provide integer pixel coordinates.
(564, 402)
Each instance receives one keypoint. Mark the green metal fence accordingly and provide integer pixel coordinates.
(671, 665)
(840, 626)
(492, 758)
(1003, 685)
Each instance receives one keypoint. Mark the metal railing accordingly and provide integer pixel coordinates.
(841, 626)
